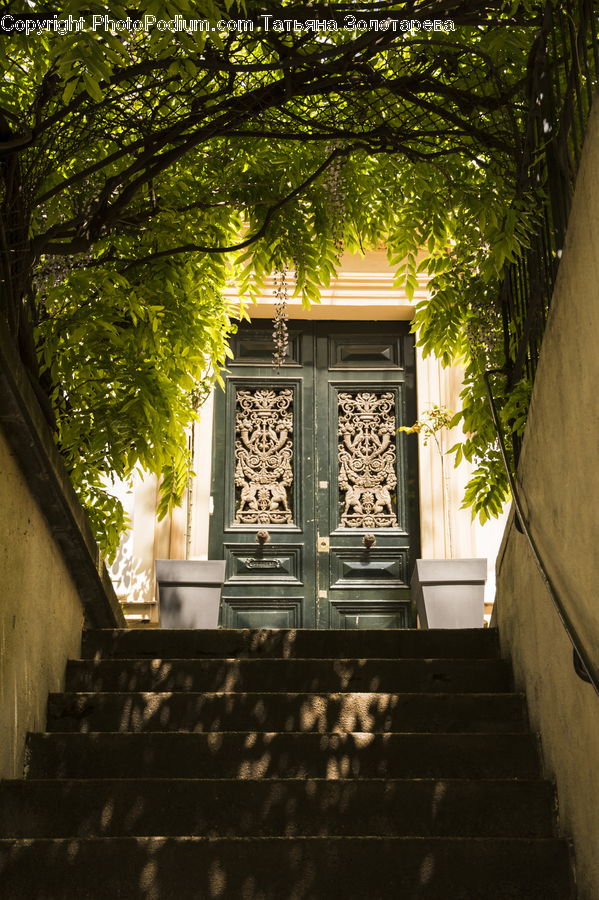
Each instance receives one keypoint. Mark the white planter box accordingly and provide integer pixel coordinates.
(450, 593)
(189, 592)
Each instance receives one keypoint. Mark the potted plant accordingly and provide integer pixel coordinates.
(189, 591)
(449, 593)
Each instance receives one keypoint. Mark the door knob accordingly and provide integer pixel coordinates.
(262, 537)
(369, 540)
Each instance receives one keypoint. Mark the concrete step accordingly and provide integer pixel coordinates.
(276, 755)
(270, 808)
(285, 675)
(137, 643)
(286, 868)
(286, 712)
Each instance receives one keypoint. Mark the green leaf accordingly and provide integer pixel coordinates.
(70, 88)
(92, 87)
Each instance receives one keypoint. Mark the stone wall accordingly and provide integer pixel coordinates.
(559, 475)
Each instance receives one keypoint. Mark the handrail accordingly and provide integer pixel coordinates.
(583, 665)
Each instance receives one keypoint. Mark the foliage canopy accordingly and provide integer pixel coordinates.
(141, 171)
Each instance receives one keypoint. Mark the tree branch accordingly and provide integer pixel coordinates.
(79, 246)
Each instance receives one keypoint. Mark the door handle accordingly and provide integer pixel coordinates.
(262, 537)
(369, 540)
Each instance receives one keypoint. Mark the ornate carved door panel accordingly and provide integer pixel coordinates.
(263, 515)
(315, 505)
(367, 475)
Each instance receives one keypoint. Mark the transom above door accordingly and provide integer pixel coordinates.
(314, 492)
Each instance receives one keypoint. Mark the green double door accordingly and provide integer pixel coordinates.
(314, 493)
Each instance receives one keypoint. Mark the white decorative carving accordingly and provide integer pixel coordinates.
(367, 478)
(264, 456)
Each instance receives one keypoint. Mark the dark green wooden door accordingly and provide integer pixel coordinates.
(308, 469)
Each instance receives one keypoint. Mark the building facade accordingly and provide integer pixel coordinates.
(310, 454)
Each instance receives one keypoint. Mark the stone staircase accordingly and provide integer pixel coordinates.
(284, 764)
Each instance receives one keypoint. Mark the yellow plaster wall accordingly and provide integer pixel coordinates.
(41, 615)
(559, 475)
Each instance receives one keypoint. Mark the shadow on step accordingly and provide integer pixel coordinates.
(287, 868)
